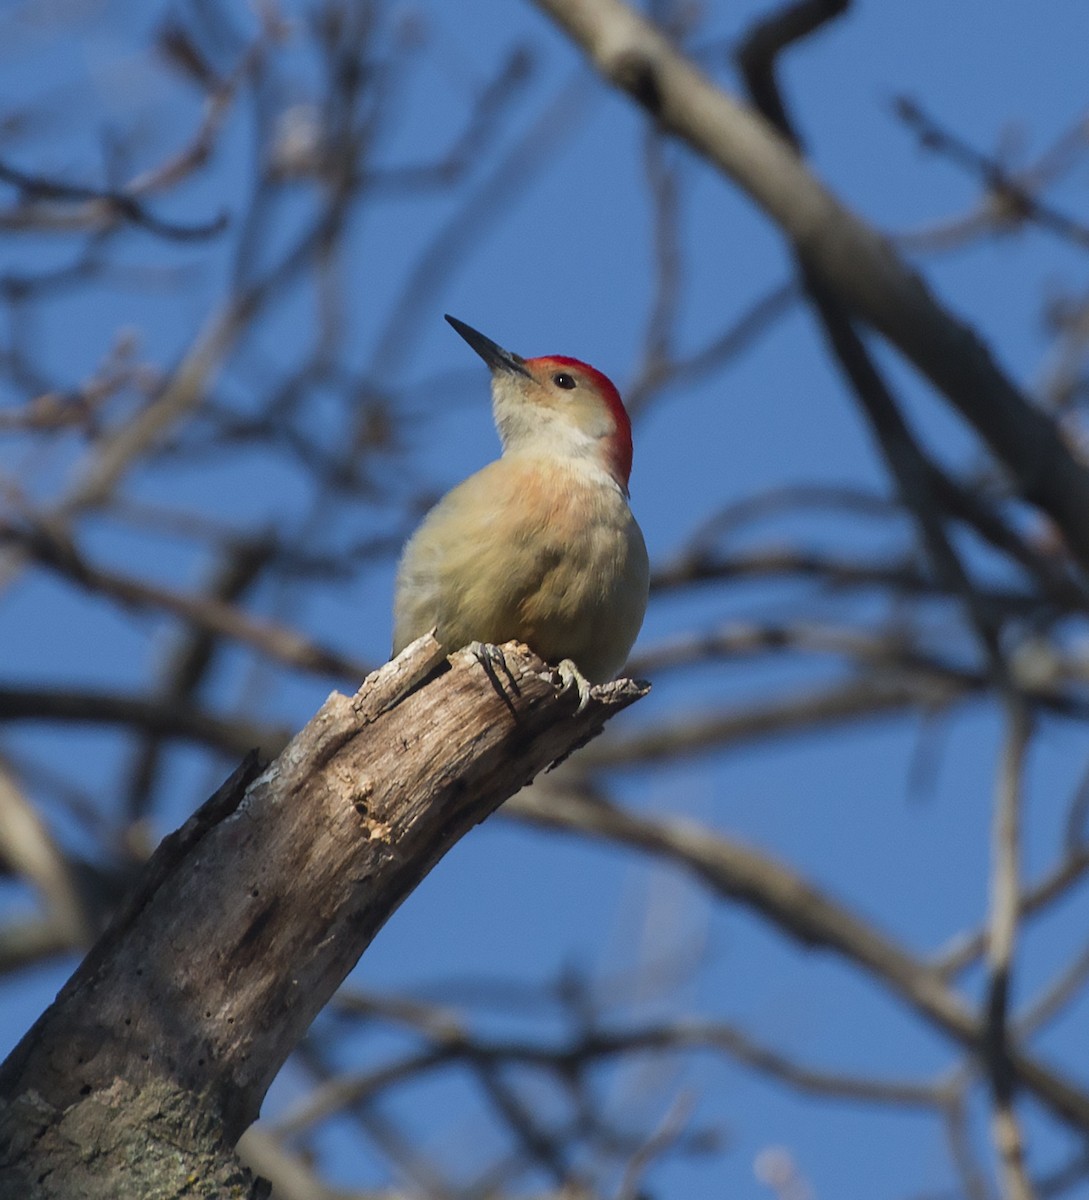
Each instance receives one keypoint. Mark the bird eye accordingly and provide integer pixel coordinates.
(562, 379)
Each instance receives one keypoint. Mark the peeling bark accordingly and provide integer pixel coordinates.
(156, 1055)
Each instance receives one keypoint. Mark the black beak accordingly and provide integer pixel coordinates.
(495, 356)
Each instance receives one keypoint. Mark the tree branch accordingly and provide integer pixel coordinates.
(248, 918)
(849, 257)
(804, 913)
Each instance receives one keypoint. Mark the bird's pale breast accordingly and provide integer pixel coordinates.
(530, 549)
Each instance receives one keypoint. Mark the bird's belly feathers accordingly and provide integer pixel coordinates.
(547, 555)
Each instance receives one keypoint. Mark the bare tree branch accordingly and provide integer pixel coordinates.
(853, 261)
(804, 913)
(287, 874)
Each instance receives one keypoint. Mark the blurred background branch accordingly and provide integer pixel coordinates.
(794, 922)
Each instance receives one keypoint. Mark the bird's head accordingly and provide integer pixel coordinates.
(557, 405)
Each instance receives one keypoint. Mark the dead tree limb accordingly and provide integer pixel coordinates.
(156, 1055)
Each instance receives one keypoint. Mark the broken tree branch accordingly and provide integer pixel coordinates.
(249, 917)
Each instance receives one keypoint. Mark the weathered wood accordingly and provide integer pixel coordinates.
(157, 1053)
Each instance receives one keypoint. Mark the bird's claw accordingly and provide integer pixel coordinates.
(571, 676)
(491, 658)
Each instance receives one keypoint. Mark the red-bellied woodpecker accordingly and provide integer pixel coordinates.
(540, 546)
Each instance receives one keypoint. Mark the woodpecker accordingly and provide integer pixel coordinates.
(540, 546)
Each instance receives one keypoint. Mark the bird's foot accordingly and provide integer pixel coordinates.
(491, 658)
(571, 676)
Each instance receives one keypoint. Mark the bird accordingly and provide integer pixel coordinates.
(540, 546)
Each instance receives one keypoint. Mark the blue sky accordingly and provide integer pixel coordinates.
(564, 266)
